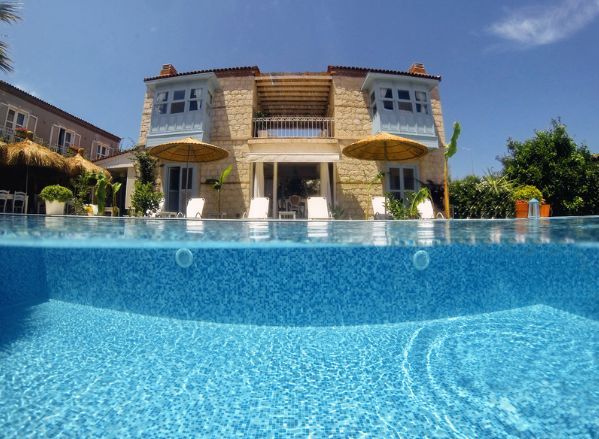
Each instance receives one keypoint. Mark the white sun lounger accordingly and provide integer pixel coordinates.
(195, 208)
(426, 211)
(258, 208)
(318, 208)
(378, 208)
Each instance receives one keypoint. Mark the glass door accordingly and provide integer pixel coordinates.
(180, 188)
(174, 183)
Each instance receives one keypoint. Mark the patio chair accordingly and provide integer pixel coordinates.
(195, 208)
(258, 208)
(378, 208)
(294, 204)
(4, 197)
(19, 202)
(426, 211)
(318, 208)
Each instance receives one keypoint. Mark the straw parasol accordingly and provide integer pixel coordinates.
(387, 147)
(188, 150)
(30, 154)
(79, 164)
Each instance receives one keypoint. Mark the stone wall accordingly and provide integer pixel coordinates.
(146, 116)
(354, 178)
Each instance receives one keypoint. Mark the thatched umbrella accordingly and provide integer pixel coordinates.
(387, 147)
(30, 154)
(79, 164)
(188, 150)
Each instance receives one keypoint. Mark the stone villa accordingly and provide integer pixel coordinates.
(285, 132)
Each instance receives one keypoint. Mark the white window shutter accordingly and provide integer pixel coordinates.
(32, 123)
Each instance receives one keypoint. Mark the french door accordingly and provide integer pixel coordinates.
(179, 187)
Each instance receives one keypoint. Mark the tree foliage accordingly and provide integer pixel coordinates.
(564, 172)
(145, 166)
(8, 14)
(145, 198)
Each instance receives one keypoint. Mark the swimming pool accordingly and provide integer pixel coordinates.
(136, 327)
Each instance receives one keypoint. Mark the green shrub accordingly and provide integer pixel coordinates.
(408, 208)
(489, 197)
(56, 192)
(145, 198)
(463, 197)
(527, 193)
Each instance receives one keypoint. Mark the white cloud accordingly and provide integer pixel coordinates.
(539, 25)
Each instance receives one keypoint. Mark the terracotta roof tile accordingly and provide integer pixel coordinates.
(333, 69)
(253, 70)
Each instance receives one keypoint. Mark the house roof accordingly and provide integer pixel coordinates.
(9, 88)
(331, 70)
(364, 70)
(232, 71)
(124, 151)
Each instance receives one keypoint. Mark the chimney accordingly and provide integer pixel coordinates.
(417, 68)
(168, 70)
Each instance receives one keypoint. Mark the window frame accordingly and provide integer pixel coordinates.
(17, 112)
(65, 146)
(402, 191)
(377, 96)
(97, 150)
(164, 99)
(385, 99)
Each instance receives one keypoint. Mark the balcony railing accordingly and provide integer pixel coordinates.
(294, 127)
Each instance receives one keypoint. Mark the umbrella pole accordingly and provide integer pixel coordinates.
(187, 177)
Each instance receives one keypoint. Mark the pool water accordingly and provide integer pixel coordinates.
(291, 335)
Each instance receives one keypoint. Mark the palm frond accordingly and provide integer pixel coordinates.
(8, 12)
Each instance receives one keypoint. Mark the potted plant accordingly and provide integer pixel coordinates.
(522, 195)
(55, 197)
(23, 133)
(545, 209)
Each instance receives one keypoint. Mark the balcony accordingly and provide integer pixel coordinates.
(293, 127)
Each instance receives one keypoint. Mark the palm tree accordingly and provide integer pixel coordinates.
(450, 149)
(8, 14)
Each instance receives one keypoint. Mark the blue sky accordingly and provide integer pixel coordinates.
(508, 67)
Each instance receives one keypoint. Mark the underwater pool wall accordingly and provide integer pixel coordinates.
(324, 285)
(22, 277)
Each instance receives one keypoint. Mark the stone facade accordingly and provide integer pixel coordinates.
(234, 104)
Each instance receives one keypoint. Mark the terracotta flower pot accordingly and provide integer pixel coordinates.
(545, 210)
(521, 209)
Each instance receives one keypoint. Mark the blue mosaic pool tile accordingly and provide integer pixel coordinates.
(22, 276)
(80, 371)
(326, 286)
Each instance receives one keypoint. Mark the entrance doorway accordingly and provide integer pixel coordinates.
(180, 186)
(288, 185)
